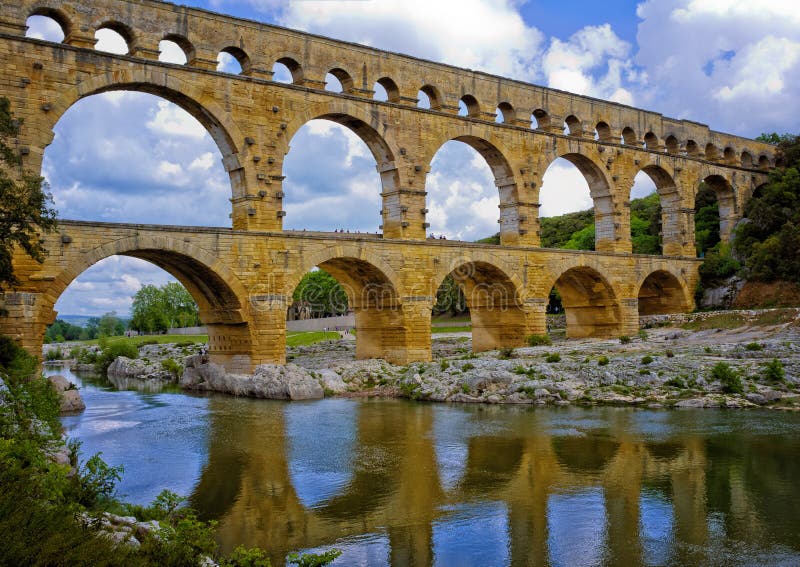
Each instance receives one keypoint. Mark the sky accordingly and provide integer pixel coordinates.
(731, 64)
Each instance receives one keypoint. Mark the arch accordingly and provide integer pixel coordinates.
(124, 31)
(541, 118)
(764, 162)
(505, 113)
(629, 137)
(590, 303)
(58, 16)
(747, 159)
(726, 201)
(295, 69)
(672, 145)
(434, 96)
(573, 126)
(183, 43)
(692, 148)
(344, 78)
(651, 141)
(494, 299)
(245, 64)
(669, 200)
(603, 132)
(391, 88)
(712, 152)
(661, 292)
(729, 155)
(471, 106)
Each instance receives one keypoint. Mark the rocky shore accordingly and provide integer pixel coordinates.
(674, 363)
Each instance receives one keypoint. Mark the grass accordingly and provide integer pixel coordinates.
(292, 339)
(310, 337)
(451, 330)
(735, 320)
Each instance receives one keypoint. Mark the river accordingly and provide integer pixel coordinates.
(402, 483)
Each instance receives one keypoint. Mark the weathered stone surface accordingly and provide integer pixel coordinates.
(59, 383)
(331, 381)
(71, 400)
(242, 277)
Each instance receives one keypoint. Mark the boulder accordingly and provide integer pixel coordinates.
(331, 381)
(59, 383)
(71, 401)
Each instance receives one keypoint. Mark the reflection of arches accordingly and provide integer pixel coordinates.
(661, 293)
(494, 302)
(584, 454)
(589, 302)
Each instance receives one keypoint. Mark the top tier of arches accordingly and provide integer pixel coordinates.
(256, 48)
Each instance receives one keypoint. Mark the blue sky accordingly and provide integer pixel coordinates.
(733, 64)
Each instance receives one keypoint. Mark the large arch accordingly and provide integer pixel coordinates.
(672, 230)
(590, 303)
(221, 297)
(504, 179)
(726, 200)
(373, 295)
(661, 292)
(495, 300)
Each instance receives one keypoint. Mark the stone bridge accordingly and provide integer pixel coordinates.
(242, 277)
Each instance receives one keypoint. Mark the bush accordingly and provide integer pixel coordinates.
(602, 361)
(642, 335)
(675, 383)
(444, 365)
(647, 359)
(754, 346)
(54, 354)
(774, 372)
(539, 340)
(727, 376)
(172, 366)
(505, 353)
(465, 389)
(313, 559)
(624, 339)
(113, 351)
(467, 366)
(553, 357)
(669, 354)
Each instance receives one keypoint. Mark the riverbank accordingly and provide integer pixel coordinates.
(731, 359)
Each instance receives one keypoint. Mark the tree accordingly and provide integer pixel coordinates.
(25, 204)
(450, 298)
(156, 309)
(110, 325)
(322, 294)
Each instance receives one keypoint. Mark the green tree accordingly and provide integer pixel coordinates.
(320, 291)
(450, 298)
(156, 309)
(646, 225)
(110, 325)
(706, 220)
(25, 204)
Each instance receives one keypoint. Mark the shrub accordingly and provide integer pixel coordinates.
(669, 354)
(539, 340)
(727, 376)
(467, 366)
(75, 352)
(113, 351)
(553, 357)
(773, 371)
(172, 366)
(465, 389)
(624, 339)
(54, 354)
(754, 347)
(314, 559)
(647, 359)
(602, 361)
(675, 383)
(642, 334)
(505, 353)
(444, 365)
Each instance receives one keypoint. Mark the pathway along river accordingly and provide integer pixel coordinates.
(404, 483)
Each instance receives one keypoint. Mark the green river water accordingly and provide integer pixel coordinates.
(403, 483)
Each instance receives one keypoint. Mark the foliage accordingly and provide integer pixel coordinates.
(246, 557)
(727, 376)
(54, 354)
(494, 239)
(113, 351)
(624, 339)
(61, 331)
(774, 372)
(647, 359)
(450, 298)
(553, 357)
(602, 361)
(719, 265)
(321, 294)
(172, 366)
(156, 309)
(558, 231)
(539, 340)
(313, 559)
(646, 224)
(25, 204)
(506, 353)
(754, 346)
(706, 220)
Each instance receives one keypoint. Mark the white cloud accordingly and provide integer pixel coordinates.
(171, 120)
(203, 162)
(564, 190)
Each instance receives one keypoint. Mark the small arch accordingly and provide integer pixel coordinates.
(176, 49)
(233, 60)
(692, 148)
(590, 303)
(468, 106)
(391, 92)
(540, 120)
(661, 293)
(729, 155)
(49, 24)
(651, 141)
(114, 37)
(505, 113)
(629, 136)
(712, 152)
(747, 159)
(672, 145)
(573, 126)
(725, 209)
(603, 131)
(430, 95)
(338, 80)
(763, 162)
(287, 70)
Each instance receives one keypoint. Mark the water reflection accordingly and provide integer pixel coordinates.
(401, 483)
